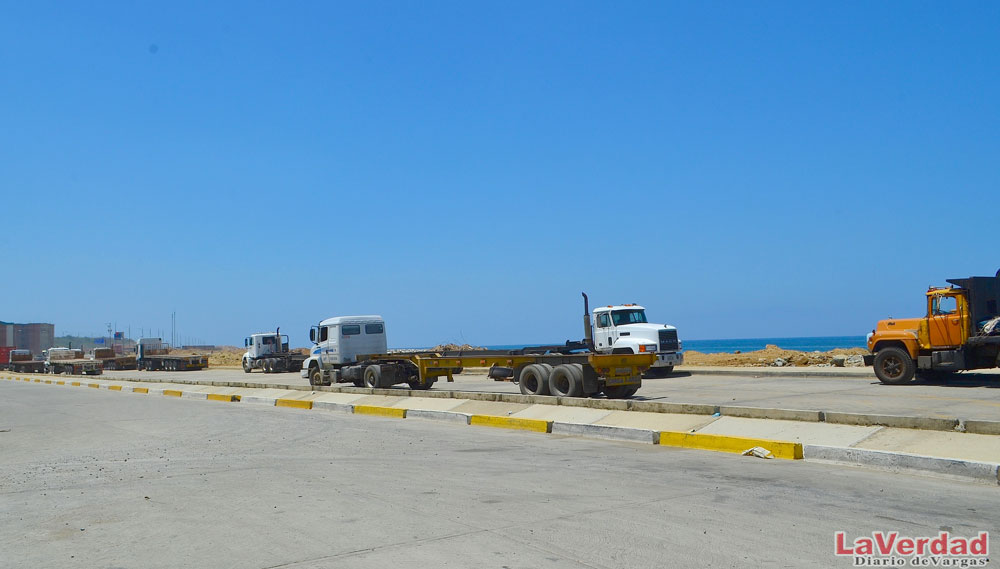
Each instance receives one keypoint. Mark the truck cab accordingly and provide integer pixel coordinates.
(624, 329)
(958, 332)
(339, 341)
(265, 344)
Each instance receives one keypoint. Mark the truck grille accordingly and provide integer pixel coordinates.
(668, 340)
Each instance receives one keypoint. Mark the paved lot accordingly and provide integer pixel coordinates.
(975, 396)
(91, 479)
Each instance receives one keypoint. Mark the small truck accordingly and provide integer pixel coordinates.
(960, 331)
(71, 361)
(268, 351)
(152, 354)
(112, 360)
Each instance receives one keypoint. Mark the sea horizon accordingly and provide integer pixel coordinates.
(730, 345)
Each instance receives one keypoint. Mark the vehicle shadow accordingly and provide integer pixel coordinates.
(961, 380)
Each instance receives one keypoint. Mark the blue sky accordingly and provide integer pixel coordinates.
(466, 169)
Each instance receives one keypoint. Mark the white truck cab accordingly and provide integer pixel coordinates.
(623, 328)
(340, 340)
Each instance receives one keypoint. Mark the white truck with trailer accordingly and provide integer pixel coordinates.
(71, 361)
(623, 329)
(353, 349)
(268, 351)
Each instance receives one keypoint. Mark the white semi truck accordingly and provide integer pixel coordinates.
(623, 329)
(268, 351)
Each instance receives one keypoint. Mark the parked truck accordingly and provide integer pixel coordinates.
(23, 361)
(353, 349)
(152, 354)
(268, 351)
(623, 329)
(960, 331)
(71, 361)
(111, 360)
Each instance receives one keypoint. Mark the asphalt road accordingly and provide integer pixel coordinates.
(972, 396)
(91, 478)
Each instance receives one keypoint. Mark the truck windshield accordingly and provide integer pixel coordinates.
(628, 317)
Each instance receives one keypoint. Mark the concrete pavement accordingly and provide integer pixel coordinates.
(98, 479)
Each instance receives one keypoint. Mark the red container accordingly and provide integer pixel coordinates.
(5, 354)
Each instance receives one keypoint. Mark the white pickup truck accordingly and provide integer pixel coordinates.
(623, 329)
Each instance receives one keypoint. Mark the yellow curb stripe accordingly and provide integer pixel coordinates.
(49, 381)
(114, 388)
(380, 411)
(725, 443)
(94, 385)
(293, 403)
(221, 397)
(75, 383)
(140, 390)
(171, 393)
(60, 383)
(536, 425)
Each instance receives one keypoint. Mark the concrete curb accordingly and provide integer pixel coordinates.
(897, 421)
(901, 462)
(536, 425)
(608, 432)
(258, 400)
(449, 416)
(193, 395)
(332, 406)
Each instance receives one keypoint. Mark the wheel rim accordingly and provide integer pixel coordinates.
(561, 384)
(892, 367)
(530, 383)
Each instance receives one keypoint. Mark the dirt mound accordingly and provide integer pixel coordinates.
(228, 356)
(455, 347)
(772, 355)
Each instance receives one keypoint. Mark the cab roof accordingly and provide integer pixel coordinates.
(351, 320)
(618, 307)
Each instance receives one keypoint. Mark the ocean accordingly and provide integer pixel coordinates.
(805, 344)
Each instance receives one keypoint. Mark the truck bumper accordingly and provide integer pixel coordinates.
(304, 373)
(669, 359)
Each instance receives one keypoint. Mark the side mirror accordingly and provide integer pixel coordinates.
(312, 335)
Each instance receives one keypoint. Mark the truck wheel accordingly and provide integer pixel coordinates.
(566, 380)
(315, 376)
(534, 379)
(246, 365)
(373, 376)
(894, 366)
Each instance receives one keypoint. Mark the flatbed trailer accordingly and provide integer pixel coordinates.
(113, 361)
(561, 374)
(153, 355)
(75, 367)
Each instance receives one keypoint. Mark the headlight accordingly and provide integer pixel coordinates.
(680, 345)
(647, 348)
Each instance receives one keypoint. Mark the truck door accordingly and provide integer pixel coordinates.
(327, 334)
(603, 331)
(944, 322)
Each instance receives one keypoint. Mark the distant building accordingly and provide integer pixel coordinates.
(35, 336)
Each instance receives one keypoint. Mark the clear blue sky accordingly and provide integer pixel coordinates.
(466, 169)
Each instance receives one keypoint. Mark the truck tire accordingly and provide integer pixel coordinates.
(894, 366)
(373, 376)
(566, 380)
(246, 365)
(417, 386)
(534, 379)
(315, 376)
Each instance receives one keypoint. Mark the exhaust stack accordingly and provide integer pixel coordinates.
(588, 331)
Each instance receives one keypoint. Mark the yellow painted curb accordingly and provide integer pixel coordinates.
(537, 425)
(171, 393)
(49, 381)
(724, 443)
(37, 380)
(380, 411)
(293, 403)
(221, 397)
(94, 385)
(114, 388)
(60, 383)
(140, 390)
(75, 383)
